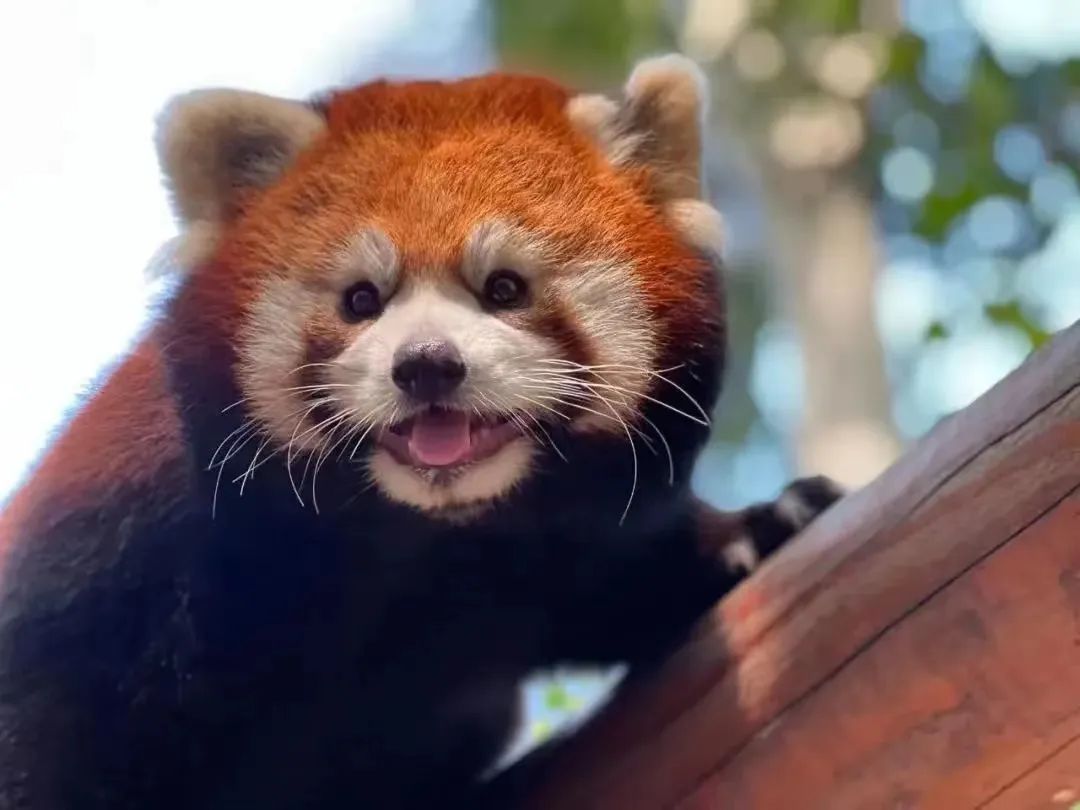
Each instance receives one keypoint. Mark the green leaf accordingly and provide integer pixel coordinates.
(540, 731)
(991, 95)
(937, 331)
(939, 211)
(594, 39)
(558, 699)
(1071, 72)
(1010, 314)
(905, 53)
(835, 16)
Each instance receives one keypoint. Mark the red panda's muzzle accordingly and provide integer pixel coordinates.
(442, 438)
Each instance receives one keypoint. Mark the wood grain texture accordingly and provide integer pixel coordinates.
(918, 647)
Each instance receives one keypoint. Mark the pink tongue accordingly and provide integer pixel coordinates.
(439, 439)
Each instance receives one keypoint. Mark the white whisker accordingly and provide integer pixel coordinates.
(289, 453)
(579, 406)
(659, 375)
(250, 471)
(667, 448)
(633, 452)
(360, 440)
(630, 394)
(327, 450)
(515, 416)
(248, 424)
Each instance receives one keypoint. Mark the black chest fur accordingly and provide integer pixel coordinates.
(267, 657)
(154, 652)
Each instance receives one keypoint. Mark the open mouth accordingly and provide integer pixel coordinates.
(445, 438)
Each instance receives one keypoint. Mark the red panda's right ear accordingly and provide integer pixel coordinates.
(659, 124)
(216, 146)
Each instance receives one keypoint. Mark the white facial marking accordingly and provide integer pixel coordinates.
(510, 370)
(487, 481)
(272, 347)
(495, 353)
(495, 244)
(610, 312)
(607, 307)
(497, 357)
(369, 256)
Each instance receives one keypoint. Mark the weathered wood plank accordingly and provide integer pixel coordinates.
(1053, 784)
(945, 708)
(986, 480)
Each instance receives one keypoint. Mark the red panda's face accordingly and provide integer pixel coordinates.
(450, 281)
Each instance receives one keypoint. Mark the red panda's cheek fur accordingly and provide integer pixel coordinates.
(554, 321)
(289, 332)
(682, 288)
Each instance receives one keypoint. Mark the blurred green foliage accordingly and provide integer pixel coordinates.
(1010, 315)
(596, 38)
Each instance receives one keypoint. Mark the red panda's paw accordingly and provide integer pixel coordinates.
(765, 527)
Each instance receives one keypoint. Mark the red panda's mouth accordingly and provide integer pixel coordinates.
(440, 438)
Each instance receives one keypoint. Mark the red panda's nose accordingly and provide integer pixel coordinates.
(428, 370)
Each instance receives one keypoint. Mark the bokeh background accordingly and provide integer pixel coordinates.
(898, 178)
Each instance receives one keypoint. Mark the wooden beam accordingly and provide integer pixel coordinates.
(919, 646)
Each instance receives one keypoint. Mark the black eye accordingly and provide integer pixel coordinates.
(361, 301)
(505, 289)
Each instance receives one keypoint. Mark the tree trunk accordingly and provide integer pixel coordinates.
(825, 260)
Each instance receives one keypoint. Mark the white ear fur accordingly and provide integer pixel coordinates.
(215, 144)
(599, 118)
(188, 249)
(699, 224)
(659, 122)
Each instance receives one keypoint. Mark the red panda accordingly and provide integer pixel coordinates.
(418, 420)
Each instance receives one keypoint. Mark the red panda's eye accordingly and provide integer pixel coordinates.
(361, 301)
(505, 289)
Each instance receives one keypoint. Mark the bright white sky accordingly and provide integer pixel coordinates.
(1040, 29)
(81, 207)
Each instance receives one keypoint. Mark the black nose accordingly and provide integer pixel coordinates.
(429, 370)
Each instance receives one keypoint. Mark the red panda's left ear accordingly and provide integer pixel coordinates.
(216, 146)
(659, 123)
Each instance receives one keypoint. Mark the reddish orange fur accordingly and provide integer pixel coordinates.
(125, 433)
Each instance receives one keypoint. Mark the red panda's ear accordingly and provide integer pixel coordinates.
(659, 123)
(216, 146)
